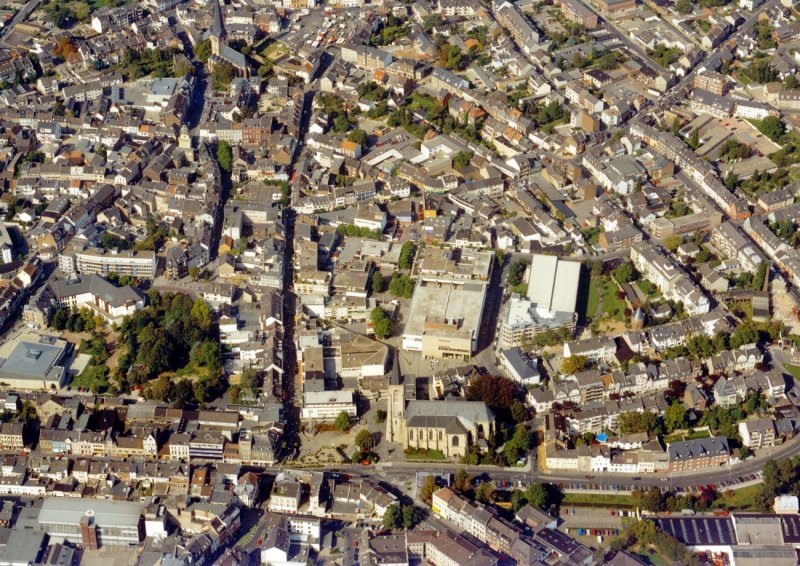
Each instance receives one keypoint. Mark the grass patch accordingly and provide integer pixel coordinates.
(793, 370)
(522, 289)
(738, 500)
(592, 300)
(420, 102)
(694, 435)
(414, 454)
(611, 500)
(613, 307)
(93, 377)
(274, 51)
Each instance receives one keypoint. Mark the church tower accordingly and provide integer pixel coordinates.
(218, 33)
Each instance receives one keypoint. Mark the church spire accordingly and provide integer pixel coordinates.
(217, 27)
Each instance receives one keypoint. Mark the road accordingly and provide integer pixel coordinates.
(406, 471)
(26, 10)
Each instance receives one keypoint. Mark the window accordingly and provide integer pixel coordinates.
(454, 442)
(411, 434)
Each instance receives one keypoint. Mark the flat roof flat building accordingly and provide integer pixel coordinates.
(444, 319)
(93, 523)
(103, 262)
(33, 361)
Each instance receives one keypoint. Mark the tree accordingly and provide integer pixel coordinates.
(401, 286)
(574, 364)
(496, 391)
(249, 380)
(428, 488)
(342, 422)
(516, 272)
(162, 389)
(381, 323)
(377, 282)
(672, 243)
(184, 394)
(675, 416)
(407, 253)
(645, 531)
(358, 136)
(364, 440)
(28, 414)
(537, 495)
(393, 517)
(432, 21)
(410, 517)
(461, 481)
(518, 445)
(518, 411)
(684, 7)
(462, 159)
(224, 156)
(222, 75)
(341, 124)
(202, 51)
(485, 492)
(623, 273)
(59, 321)
(772, 127)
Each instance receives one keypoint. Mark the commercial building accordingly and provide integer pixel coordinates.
(549, 304)
(103, 262)
(33, 361)
(327, 405)
(93, 523)
(444, 318)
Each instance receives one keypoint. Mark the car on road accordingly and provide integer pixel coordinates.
(588, 477)
(636, 478)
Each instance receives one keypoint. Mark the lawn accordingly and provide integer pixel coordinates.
(420, 102)
(424, 455)
(592, 302)
(610, 500)
(738, 500)
(274, 51)
(522, 289)
(694, 435)
(612, 306)
(793, 370)
(93, 377)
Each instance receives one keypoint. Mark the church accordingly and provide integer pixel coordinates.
(221, 52)
(450, 426)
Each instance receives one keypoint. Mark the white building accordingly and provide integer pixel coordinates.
(327, 405)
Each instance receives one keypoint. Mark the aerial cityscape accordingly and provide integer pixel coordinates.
(355, 282)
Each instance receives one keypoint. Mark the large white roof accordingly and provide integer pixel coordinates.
(553, 283)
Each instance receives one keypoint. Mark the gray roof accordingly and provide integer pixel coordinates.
(34, 360)
(472, 411)
(115, 296)
(698, 448)
(217, 27)
(107, 513)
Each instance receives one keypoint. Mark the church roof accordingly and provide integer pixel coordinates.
(217, 27)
